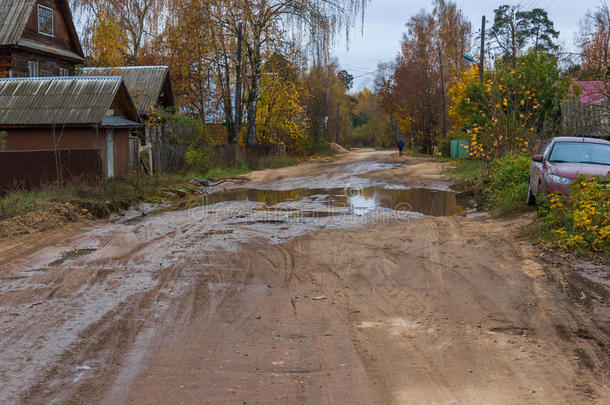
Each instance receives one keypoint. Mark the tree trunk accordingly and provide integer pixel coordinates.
(228, 107)
(253, 97)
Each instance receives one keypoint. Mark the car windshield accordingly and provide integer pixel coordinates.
(581, 152)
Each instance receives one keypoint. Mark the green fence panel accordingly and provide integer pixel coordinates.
(459, 148)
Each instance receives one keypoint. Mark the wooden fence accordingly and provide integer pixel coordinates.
(31, 169)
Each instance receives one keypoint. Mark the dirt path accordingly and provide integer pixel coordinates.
(220, 306)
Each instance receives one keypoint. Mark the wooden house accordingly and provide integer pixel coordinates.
(38, 38)
(70, 113)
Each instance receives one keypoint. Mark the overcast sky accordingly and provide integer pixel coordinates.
(385, 23)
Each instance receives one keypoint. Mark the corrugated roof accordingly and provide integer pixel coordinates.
(144, 83)
(15, 15)
(56, 100)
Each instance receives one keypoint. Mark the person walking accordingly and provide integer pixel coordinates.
(401, 146)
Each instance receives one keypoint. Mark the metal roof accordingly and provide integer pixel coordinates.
(15, 15)
(144, 83)
(118, 122)
(57, 100)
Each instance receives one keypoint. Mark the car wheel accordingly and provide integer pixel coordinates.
(531, 198)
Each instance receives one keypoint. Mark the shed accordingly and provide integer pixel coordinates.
(59, 113)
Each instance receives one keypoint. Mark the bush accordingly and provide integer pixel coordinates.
(506, 182)
(579, 221)
(311, 146)
(500, 184)
(199, 160)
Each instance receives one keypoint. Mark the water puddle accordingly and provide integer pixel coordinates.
(338, 201)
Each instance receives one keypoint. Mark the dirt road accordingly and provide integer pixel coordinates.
(280, 290)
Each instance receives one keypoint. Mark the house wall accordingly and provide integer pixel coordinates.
(61, 38)
(76, 138)
(48, 65)
(5, 62)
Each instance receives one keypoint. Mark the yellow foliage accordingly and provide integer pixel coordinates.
(581, 220)
(457, 92)
(281, 118)
(108, 43)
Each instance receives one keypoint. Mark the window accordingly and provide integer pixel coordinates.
(45, 20)
(581, 152)
(33, 68)
(64, 72)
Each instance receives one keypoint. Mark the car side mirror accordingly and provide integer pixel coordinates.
(537, 158)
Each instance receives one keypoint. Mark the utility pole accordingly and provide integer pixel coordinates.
(482, 58)
(440, 59)
(237, 121)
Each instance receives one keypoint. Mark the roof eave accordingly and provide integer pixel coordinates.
(43, 49)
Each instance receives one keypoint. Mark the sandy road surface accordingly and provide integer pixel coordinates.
(223, 305)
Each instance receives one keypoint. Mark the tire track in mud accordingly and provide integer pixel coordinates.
(430, 310)
(100, 350)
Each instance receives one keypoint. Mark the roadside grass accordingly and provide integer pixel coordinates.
(237, 169)
(499, 185)
(277, 161)
(103, 198)
(100, 198)
(578, 223)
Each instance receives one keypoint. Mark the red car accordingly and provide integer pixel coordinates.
(563, 160)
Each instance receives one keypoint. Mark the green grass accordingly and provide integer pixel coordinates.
(277, 161)
(467, 174)
(101, 198)
(105, 197)
(499, 185)
(233, 171)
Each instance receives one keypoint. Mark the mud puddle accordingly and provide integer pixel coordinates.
(339, 201)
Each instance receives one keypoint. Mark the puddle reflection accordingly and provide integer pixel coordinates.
(355, 201)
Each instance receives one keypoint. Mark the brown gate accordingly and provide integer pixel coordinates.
(33, 168)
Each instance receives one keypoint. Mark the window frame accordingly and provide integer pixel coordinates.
(52, 34)
(33, 65)
(62, 70)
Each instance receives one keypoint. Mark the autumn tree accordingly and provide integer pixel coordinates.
(198, 53)
(270, 24)
(282, 120)
(328, 105)
(453, 36)
(513, 108)
(371, 126)
(514, 29)
(108, 43)
(139, 20)
(413, 94)
(594, 42)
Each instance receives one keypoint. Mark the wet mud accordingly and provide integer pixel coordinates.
(319, 284)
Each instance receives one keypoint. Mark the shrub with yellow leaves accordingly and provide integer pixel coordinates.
(580, 221)
(512, 108)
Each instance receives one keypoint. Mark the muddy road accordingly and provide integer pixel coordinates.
(359, 280)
